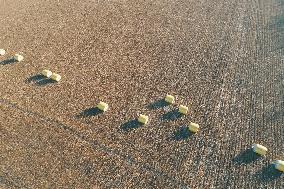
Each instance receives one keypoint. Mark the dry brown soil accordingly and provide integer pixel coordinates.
(224, 59)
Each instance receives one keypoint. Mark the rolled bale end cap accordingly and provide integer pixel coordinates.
(183, 109)
(2, 52)
(143, 119)
(55, 77)
(170, 99)
(18, 57)
(46, 73)
(279, 165)
(102, 106)
(259, 149)
(193, 127)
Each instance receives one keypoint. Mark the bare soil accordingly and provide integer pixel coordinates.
(223, 59)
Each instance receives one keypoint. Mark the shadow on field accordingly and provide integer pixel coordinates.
(89, 112)
(157, 104)
(39, 80)
(172, 115)
(246, 157)
(268, 173)
(87, 168)
(8, 61)
(277, 25)
(130, 125)
(182, 133)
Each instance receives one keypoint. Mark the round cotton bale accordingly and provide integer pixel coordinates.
(46, 73)
(55, 77)
(193, 127)
(259, 149)
(143, 119)
(170, 99)
(279, 165)
(102, 106)
(2, 52)
(18, 57)
(183, 109)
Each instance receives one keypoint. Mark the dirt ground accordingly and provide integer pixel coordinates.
(223, 59)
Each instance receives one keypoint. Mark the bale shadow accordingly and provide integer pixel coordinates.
(45, 82)
(40, 80)
(8, 61)
(158, 104)
(35, 78)
(276, 24)
(246, 157)
(90, 112)
(130, 125)
(172, 115)
(268, 173)
(182, 133)
(87, 168)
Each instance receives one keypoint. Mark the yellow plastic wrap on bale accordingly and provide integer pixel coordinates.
(18, 57)
(183, 109)
(170, 99)
(143, 119)
(102, 106)
(259, 149)
(2, 52)
(55, 77)
(279, 165)
(46, 73)
(193, 127)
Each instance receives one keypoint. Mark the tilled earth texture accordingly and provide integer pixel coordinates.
(223, 59)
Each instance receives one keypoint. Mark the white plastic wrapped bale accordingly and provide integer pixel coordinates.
(143, 119)
(55, 77)
(46, 73)
(183, 109)
(193, 127)
(170, 99)
(279, 165)
(259, 149)
(2, 52)
(102, 106)
(18, 57)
